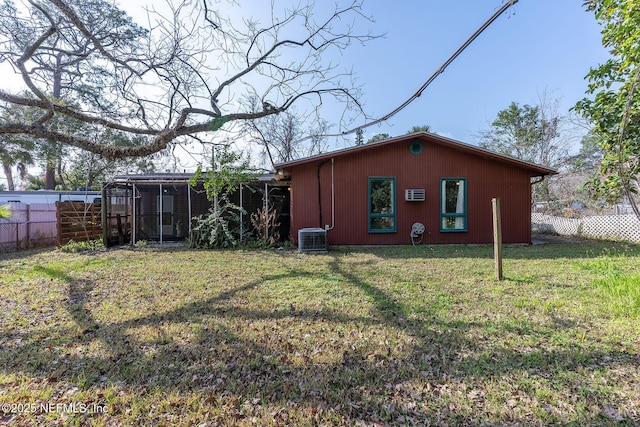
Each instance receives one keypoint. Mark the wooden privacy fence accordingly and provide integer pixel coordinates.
(78, 221)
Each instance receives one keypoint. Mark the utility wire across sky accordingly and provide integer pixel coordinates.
(430, 80)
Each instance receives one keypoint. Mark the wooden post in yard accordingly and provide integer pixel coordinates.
(497, 238)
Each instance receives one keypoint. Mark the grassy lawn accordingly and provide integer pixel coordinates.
(358, 336)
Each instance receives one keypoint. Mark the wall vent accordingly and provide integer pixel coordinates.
(312, 240)
(414, 194)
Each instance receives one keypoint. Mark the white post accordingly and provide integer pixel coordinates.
(241, 216)
(160, 204)
(133, 214)
(189, 201)
(266, 211)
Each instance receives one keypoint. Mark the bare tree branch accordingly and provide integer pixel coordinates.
(187, 74)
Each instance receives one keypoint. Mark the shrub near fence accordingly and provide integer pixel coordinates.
(30, 225)
(78, 221)
(607, 227)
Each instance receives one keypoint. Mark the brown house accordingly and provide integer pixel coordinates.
(374, 194)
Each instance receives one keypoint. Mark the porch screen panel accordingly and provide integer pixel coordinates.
(147, 212)
(117, 203)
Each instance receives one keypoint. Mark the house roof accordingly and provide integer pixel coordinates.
(169, 178)
(535, 169)
(157, 178)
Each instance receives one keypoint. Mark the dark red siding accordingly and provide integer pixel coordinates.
(486, 178)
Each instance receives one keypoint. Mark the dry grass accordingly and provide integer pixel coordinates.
(366, 336)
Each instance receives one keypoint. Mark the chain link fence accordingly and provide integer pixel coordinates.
(622, 226)
(31, 225)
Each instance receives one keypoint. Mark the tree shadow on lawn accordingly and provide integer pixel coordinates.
(553, 249)
(244, 362)
(16, 255)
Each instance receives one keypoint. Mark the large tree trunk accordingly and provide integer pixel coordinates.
(9, 175)
(63, 184)
(630, 196)
(50, 176)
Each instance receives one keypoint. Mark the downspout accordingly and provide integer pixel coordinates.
(531, 186)
(321, 225)
(333, 200)
(537, 182)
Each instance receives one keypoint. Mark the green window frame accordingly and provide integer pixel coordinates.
(382, 204)
(453, 205)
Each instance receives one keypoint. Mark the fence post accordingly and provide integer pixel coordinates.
(28, 225)
(497, 239)
(103, 215)
(58, 224)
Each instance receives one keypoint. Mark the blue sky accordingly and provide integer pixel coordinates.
(535, 46)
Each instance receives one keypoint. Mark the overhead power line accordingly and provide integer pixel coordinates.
(439, 71)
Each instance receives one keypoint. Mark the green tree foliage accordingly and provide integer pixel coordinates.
(15, 152)
(384, 136)
(34, 183)
(67, 168)
(418, 129)
(5, 212)
(381, 196)
(220, 227)
(589, 157)
(84, 169)
(614, 103)
(526, 132)
(60, 58)
(378, 137)
(529, 133)
(229, 170)
(360, 136)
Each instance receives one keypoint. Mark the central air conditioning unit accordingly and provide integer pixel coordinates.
(312, 240)
(414, 194)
